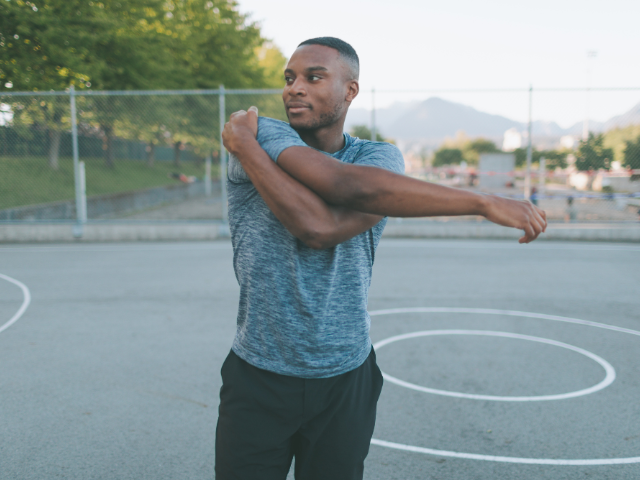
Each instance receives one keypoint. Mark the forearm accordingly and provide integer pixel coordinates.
(375, 190)
(303, 213)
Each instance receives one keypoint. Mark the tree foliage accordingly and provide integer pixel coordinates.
(592, 154)
(632, 154)
(553, 158)
(447, 156)
(469, 150)
(363, 131)
(473, 149)
(133, 45)
(617, 139)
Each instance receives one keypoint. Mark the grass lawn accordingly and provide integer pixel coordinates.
(30, 181)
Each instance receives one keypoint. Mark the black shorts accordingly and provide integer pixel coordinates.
(266, 419)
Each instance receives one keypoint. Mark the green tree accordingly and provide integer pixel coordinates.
(362, 131)
(521, 156)
(632, 154)
(56, 44)
(592, 154)
(447, 156)
(472, 149)
(554, 158)
(132, 44)
(617, 139)
(272, 62)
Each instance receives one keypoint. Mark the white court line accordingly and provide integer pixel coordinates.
(512, 313)
(493, 458)
(610, 375)
(25, 303)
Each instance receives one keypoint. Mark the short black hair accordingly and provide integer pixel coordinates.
(344, 49)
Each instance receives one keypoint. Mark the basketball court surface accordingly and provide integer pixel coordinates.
(501, 361)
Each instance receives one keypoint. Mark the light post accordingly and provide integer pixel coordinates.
(585, 126)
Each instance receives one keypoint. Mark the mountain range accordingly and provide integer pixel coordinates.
(434, 119)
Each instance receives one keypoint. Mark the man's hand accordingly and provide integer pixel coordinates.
(517, 214)
(242, 126)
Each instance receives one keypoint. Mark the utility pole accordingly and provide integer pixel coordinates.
(78, 171)
(527, 174)
(585, 126)
(224, 228)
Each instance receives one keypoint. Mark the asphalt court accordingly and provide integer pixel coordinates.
(501, 360)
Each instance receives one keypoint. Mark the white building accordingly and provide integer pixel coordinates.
(568, 142)
(496, 169)
(512, 140)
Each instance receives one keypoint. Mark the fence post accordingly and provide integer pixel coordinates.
(527, 175)
(79, 226)
(207, 176)
(82, 216)
(542, 176)
(224, 229)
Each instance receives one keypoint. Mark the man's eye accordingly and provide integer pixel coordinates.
(313, 78)
(288, 79)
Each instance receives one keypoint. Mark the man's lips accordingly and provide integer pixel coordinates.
(296, 107)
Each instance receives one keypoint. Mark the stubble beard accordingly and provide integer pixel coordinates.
(323, 120)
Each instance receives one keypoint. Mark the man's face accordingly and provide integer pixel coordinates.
(318, 87)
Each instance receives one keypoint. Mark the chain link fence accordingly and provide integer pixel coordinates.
(156, 155)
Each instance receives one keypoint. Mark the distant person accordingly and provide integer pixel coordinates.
(534, 196)
(570, 213)
(307, 206)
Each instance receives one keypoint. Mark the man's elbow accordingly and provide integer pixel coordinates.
(318, 238)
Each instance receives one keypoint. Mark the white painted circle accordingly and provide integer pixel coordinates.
(25, 302)
(610, 375)
(493, 458)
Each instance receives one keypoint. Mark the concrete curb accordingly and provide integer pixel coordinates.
(485, 230)
(37, 233)
(131, 232)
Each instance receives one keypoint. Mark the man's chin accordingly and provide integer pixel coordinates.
(301, 124)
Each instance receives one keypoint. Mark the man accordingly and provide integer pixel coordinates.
(306, 211)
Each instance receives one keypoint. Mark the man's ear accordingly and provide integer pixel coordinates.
(353, 88)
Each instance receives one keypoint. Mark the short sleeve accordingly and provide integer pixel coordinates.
(381, 155)
(275, 136)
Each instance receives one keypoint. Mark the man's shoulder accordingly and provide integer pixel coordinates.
(274, 136)
(371, 146)
(380, 154)
(270, 126)
(268, 121)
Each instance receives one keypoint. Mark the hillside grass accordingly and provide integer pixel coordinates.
(30, 180)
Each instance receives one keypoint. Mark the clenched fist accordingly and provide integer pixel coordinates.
(240, 127)
(519, 214)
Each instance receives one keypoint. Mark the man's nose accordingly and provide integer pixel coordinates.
(297, 88)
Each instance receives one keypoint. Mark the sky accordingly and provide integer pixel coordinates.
(471, 44)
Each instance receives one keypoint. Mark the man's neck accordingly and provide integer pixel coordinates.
(328, 139)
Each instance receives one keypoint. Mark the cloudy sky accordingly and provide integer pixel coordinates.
(467, 44)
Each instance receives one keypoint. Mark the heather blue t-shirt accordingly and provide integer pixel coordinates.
(302, 312)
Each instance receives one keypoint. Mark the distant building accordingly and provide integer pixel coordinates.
(568, 142)
(496, 169)
(512, 140)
